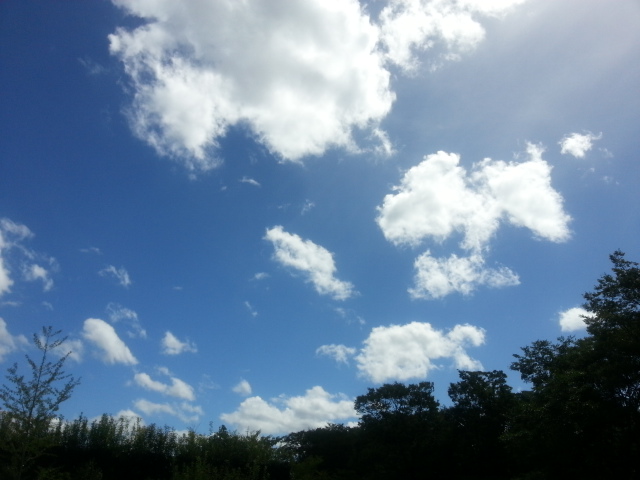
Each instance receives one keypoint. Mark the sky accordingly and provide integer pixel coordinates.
(249, 213)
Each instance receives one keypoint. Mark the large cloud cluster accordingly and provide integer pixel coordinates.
(438, 199)
(303, 76)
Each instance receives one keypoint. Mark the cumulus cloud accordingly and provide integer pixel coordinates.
(314, 261)
(572, 319)
(9, 343)
(315, 409)
(403, 352)
(112, 348)
(117, 313)
(242, 388)
(178, 388)
(438, 199)
(119, 274)
(340, 353)
(172, 346)
(577, 144)
(409, 27)
(301, 75)
(438, 277)
(16, 257)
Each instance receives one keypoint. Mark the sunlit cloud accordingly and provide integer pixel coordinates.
(315, 409)
(577, 144)
(314, 261)
(411, 351)
(171, 345)
(438, 200)
(178, 388)
(572, 320)
(111, 348)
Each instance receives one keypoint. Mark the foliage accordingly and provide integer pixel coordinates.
(31, 405)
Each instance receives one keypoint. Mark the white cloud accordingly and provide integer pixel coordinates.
(250, 181)
(178, 388)
(172, 346)
(120, 274)
(314, 261)
(118, 313)
(340, 353)
(184, 411)
(301, 75)
(14, 256)
(572, 319)
(242, 388)
(73, 347)
(438, 199)
(403, 352)
(577, 144)
(449, 27)
(9, 343)
(438, 277)
(103, 335)
(316, 408)
(252, 311)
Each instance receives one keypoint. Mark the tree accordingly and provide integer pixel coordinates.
(584, 408)
(482, 403)
(32, 405)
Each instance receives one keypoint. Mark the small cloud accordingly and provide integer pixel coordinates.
(314, 261)
(577, 144)
(184, 411)
(177, 389)
(243, 388)
(37, 272)
(9, 343)
(120, 274)
(252, 310)
(92, 250)
(260, 276)
(340, 353)
(250, 181)
(92, 67)
(306, 208)
(573, 319)
(172, 346)
(102, 335)
(117, 313)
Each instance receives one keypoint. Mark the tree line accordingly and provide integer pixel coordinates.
(580, 418)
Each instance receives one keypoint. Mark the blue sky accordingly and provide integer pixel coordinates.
(249, 213)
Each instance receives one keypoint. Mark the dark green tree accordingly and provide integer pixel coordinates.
(479, 416)
(582, 417)
(31, 404)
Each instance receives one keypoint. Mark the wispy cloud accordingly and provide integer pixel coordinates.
(8, 342)
(172, 346)
(17, 258)
(185, 411)
(314, 261)
(119, 274)
(340, 353)
(250, 181)
(117, 313)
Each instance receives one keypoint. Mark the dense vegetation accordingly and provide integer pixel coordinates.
(580, 419)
